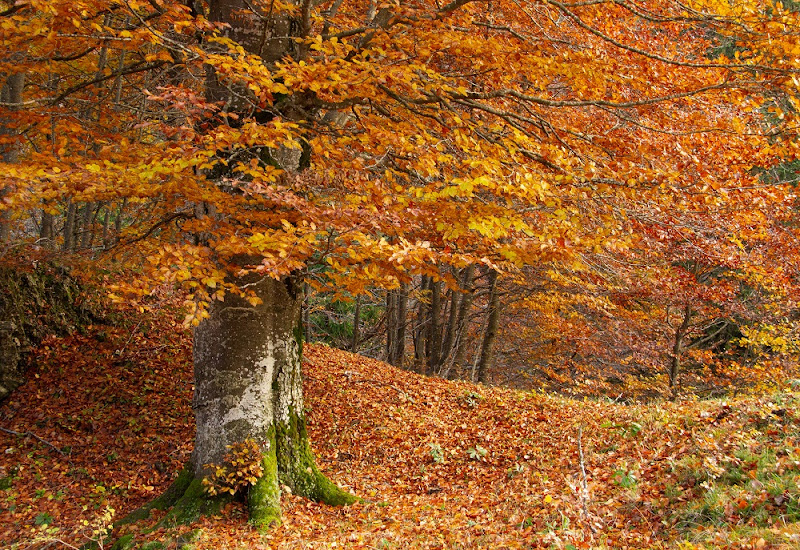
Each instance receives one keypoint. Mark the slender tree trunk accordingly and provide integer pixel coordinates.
(490, 335)
(401, 314)
(421, 328)
(69, 227)
(10, 93)
(450, 327)
(391, 331)
(677, 347)
(356, 325)
(85, 230)
(434, 326)
(396, 314)
(463, 314)
(47, 231)
(118, 220)
(106, 217)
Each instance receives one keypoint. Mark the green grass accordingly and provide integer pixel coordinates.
(752, 491)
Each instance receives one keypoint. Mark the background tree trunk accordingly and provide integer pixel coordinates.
(421, 330)
(677, 347)
(390, 325)
(490, 334)
(10, 94)
(356, 325)
(434, 328)
(399, 319)
(69, 227)
(463, 318)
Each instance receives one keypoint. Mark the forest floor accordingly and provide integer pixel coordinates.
(104, 423)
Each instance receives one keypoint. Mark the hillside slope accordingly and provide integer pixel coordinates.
(105, 423)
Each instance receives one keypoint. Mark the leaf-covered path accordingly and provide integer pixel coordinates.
(105, 422)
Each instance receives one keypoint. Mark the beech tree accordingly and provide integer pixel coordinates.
(237, 142)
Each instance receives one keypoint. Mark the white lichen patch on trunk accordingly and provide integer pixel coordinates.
(254, 404)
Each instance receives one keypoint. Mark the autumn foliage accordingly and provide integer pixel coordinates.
(612, 156)
(598, 198)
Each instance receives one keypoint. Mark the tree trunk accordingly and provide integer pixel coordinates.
(401, 318)
(47, 231)
(677, 347)
(450, 327)
(356, 325)
(434, 326)
(463, 314)
(390, 325)
(490, 335)
(248, 387)
(85, 229)
(248, 384)
(306, 314)
(69, 227)
(10, 93)
(421, 333)
(106, 217)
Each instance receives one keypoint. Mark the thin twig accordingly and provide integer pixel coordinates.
(121, 351)
(29, 433)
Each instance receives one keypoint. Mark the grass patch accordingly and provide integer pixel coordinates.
(754, 492)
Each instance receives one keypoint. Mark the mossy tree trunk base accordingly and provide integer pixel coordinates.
(186, 499)
(248, 387)
(297, 468)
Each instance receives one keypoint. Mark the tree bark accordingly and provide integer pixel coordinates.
(463, 314)
(47, 231)
(248, 383)
(390, 325)
(10, 93)
(434, 327)
(450, 327)
(85, 229)
(401, 318)
(356, 325)
(248, 386)
(677, 347)
(69, 227)
(420, 332)
(490, 335)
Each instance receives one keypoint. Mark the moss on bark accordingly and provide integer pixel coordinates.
(195, 502)
(297, 468)
(264, 497)
(299, 337)
(174, 492)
